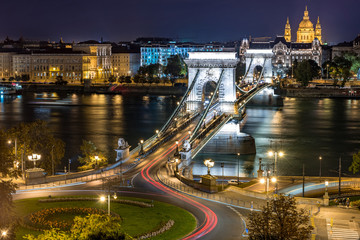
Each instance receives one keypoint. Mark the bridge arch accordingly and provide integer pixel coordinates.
(259, 57)
(204, 67)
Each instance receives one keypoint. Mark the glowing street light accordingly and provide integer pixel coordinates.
(96, 160)
(209, 164)
(3, 234)
(141, 147)
(34, 157)
(103, 199)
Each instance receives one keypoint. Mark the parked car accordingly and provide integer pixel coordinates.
(233, 182)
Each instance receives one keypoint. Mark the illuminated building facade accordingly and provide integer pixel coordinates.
(125, 61)
(284, 53)
(159, 53)
(306, 32)
(96, 64)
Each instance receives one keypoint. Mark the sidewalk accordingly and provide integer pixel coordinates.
(334, 222)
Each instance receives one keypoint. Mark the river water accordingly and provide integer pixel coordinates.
(305, 128)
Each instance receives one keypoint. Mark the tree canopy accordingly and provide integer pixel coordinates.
(34, 137)
(355, 165)
(92, 157)
(175, 66)
(7, 217)
(280, 220)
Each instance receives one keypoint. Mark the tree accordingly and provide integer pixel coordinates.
(127, 79)
(280, 220)
(315, 69)
(355, 165)
(304, 73)
(25, 77)
(6, 157)
(175, 67)
(7, 217)
(342, 69)
(112, 79)
(60, 80)
(91, 157)
(36, 137)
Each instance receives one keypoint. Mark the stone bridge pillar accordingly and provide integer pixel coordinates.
(210, 66)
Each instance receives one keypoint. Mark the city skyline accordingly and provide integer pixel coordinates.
(199, 21)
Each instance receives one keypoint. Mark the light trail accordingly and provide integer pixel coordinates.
(210, 217)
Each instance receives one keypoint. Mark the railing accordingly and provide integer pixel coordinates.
(181, 187)
(210, 136)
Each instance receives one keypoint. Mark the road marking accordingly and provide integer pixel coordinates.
(244, 234)
(341, 230)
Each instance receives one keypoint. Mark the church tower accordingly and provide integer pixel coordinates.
(305, 33)
(318, 30)
(287, 34)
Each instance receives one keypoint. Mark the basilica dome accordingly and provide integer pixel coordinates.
(306, 23)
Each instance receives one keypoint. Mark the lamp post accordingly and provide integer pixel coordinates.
(222, 170)
(177, 149)
(327, 69)
(103, 199)
(275, 154)
(96, 160)
(34, 157)
(176, 164)
(320, 158)
(238, 168)
(141, 147)
(209, 164)
(16, 163)
(292, 71)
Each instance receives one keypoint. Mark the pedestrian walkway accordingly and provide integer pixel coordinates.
(342, 229)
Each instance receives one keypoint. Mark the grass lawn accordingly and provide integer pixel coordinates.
(136, 220)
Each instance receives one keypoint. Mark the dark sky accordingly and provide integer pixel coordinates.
(193, 20)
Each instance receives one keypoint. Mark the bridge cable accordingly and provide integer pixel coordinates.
(208, 107)
(167, 124)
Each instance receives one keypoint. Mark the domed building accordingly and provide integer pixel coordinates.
(306, 32)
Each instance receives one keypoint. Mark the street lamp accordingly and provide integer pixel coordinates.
(34, 157)
(3, 234)
(177, 164)
(275, 154)
(141, 147)
(320, 158)
(96, 160)
(16, 162)
(238, 182)
(177, 149)
(103, 199)
(326, 186)
(209, 164)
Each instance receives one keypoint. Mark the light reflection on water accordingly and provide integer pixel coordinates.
(307, 127)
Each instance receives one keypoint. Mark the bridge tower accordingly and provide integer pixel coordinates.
(205, 67)
(261, 58)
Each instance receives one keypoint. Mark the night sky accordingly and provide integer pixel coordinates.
(184, 20)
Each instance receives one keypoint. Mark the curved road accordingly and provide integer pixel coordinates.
(214, 220)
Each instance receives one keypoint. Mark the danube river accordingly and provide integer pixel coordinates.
(305, 128)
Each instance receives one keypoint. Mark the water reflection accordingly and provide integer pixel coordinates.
(307, 128)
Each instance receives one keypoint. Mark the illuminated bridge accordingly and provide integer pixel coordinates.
(212, 102)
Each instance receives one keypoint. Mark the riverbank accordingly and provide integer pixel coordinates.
(106, 89)
(319, 92)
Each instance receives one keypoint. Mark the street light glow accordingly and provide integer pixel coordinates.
(271, 153)
(4, 233)
(262, 181)
(326, 183)
(281, 154)
(102, 198)
(141, 141)
(273, 179)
